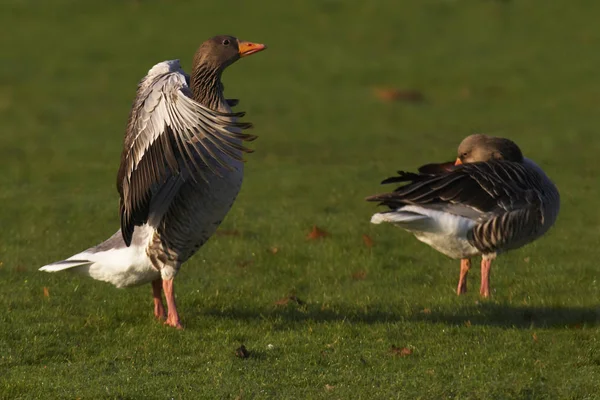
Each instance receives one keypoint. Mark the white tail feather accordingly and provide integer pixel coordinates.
(420, 219)
(65, 264)
(112, 261)
(445, 232)
(397, 217)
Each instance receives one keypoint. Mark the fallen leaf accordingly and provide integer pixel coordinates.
(46, 292)
(242, 352)
(359, 275)
(400, 351)
(534, 336)
(394, 94)
(273, 250)
(426, 311)
(527, 259)
(317, 233)
(367, 241)
(227, 232)
(468, 323)
(465, 92)
(285, 300)
(329, 388)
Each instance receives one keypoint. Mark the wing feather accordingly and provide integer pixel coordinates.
(169, 133)
(507, 195)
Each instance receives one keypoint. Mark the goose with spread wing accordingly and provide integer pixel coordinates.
(181, 170)
(490, 200)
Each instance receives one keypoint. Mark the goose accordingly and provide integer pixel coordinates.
(490, 200)
(181, 170)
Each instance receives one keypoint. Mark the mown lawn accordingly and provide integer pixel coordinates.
(528, 70)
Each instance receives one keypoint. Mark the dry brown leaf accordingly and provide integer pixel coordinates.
(329, 388)
(242, 352)
(400, 351)
(46, 292)
(359, 275)
(535, 337)
(527, 259)
(426, 311)
(465, 92)
(394, 94)
(273, 250)
(227, 232)
(284, 301)
(367, 241)
(468, 323)
(317, 233)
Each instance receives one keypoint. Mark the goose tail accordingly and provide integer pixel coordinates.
(65, 264)
(405, 219)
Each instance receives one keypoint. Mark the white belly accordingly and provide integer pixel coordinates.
(452, 246)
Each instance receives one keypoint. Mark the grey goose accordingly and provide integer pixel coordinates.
(490, 200)
(181, 170)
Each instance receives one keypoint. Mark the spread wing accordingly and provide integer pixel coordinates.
(169, 134)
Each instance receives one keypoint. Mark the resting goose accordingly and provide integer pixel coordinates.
(489, 201)
(181, 170)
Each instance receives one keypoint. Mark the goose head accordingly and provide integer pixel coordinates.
(482, 148)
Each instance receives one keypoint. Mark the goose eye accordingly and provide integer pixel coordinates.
(226, 42)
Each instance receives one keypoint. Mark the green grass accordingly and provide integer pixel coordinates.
(527, 70)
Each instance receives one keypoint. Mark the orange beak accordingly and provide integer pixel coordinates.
(458, 162)
(247, 48)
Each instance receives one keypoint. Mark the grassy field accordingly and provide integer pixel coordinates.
(528, 70)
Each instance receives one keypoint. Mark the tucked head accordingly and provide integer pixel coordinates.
(481, 148)
(221, 51)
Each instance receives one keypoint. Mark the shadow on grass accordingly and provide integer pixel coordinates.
(499, 315)
(509, 316)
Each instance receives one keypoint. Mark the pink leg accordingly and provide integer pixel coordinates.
(172, 316)
(159, 309)
(465, 265)
(484, 289)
